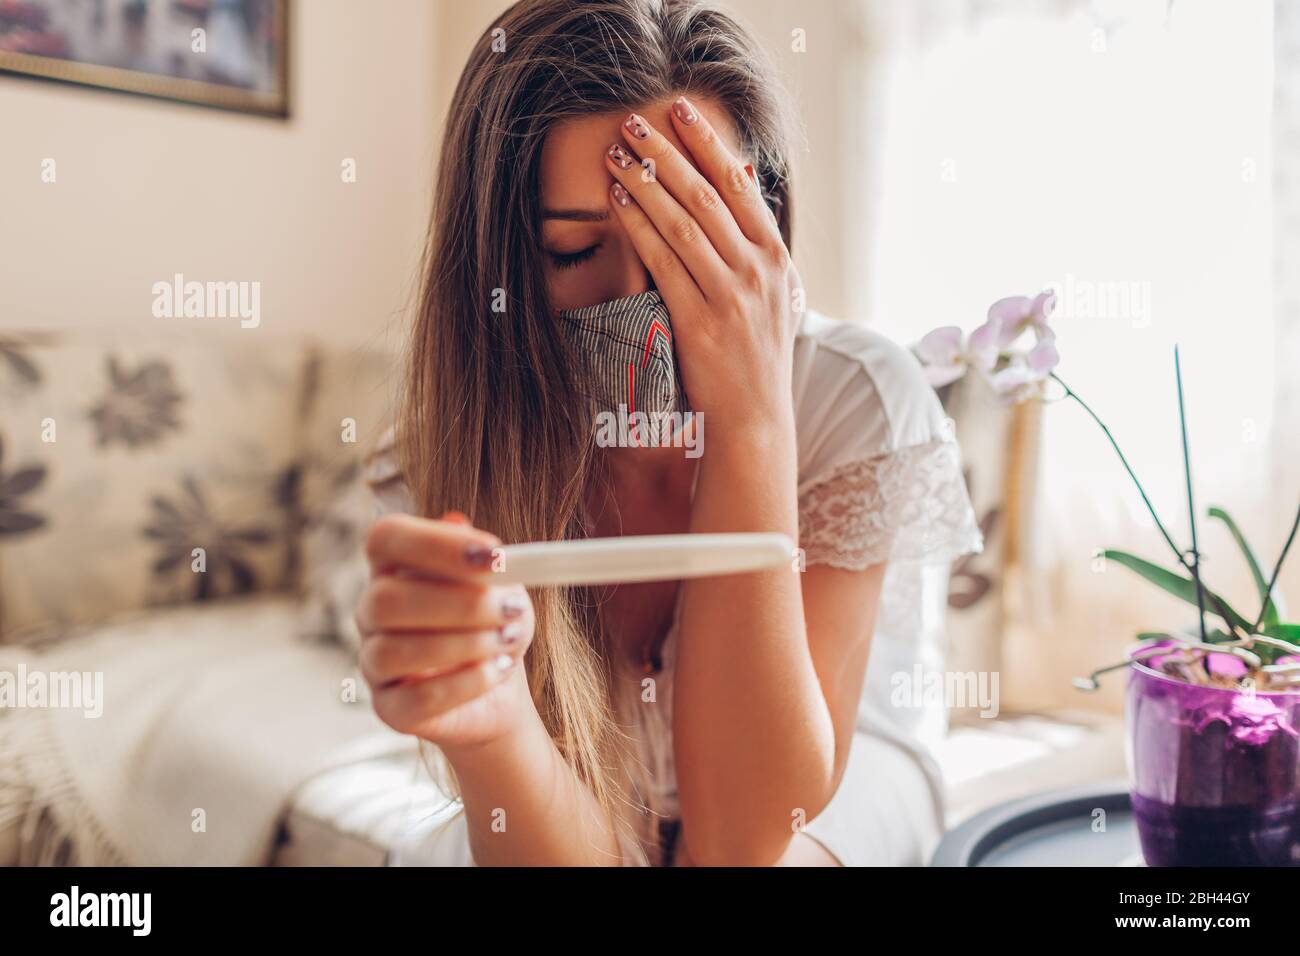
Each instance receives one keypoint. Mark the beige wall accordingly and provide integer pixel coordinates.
(147, 188)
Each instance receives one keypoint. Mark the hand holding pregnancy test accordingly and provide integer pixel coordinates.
(446, 616)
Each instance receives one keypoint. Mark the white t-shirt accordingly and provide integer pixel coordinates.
(880, 480)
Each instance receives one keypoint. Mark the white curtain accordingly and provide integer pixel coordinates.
(1286, 265)
(1123, 153)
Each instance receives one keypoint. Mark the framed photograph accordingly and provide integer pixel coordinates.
(230, 54)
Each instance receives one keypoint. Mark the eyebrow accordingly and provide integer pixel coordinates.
(576, 215)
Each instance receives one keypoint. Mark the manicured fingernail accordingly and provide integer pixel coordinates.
(619, 193)
(511, 633)
(504, 662)
(512, 606)
(620, 156)
(478, 556)
(638, 126)
(685, 112)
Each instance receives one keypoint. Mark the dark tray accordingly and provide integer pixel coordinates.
(1047, 829)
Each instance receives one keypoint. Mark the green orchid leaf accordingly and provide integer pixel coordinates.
(1214, 636)
(1180, 587)
(1269, 614)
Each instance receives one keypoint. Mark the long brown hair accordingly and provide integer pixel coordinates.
(490, 421)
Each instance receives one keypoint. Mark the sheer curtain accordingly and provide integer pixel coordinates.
(1286, 262)
(1122, 153)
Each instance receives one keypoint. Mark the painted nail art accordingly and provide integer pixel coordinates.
(622, 158)
(638, 127)
(512, 606)
(620, 194)
(478, 556)
(510, 634)
(504, 662)
(684, 111)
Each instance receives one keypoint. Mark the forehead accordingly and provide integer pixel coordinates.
(573, 172)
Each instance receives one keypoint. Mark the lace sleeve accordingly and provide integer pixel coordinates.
(906, 505)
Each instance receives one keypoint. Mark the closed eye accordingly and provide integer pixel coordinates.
(568, 260)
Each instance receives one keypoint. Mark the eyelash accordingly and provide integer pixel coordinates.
(570, 260)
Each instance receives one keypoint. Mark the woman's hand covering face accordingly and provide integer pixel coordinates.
(706, 235)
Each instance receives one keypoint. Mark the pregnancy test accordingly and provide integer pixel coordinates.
(655, 557)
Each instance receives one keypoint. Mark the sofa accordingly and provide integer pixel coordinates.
(180, 514)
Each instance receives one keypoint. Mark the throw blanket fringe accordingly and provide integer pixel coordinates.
(56, 828)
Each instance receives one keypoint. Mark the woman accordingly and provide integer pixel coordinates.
(632, 156)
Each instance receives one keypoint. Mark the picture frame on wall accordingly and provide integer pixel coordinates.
(228, 54)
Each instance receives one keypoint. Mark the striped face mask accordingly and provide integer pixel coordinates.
(628, 347)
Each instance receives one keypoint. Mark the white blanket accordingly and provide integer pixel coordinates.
(212, 717)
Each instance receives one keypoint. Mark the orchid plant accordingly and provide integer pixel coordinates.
(1015, 352)
(1016, 372)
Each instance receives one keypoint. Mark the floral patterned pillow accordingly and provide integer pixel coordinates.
(138, 471)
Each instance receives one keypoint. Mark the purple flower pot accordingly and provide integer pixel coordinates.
(1215, 773)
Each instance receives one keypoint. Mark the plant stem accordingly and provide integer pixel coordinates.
(1127, 467)
(1277, 569)
(1191, 506)
(1151, 509)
